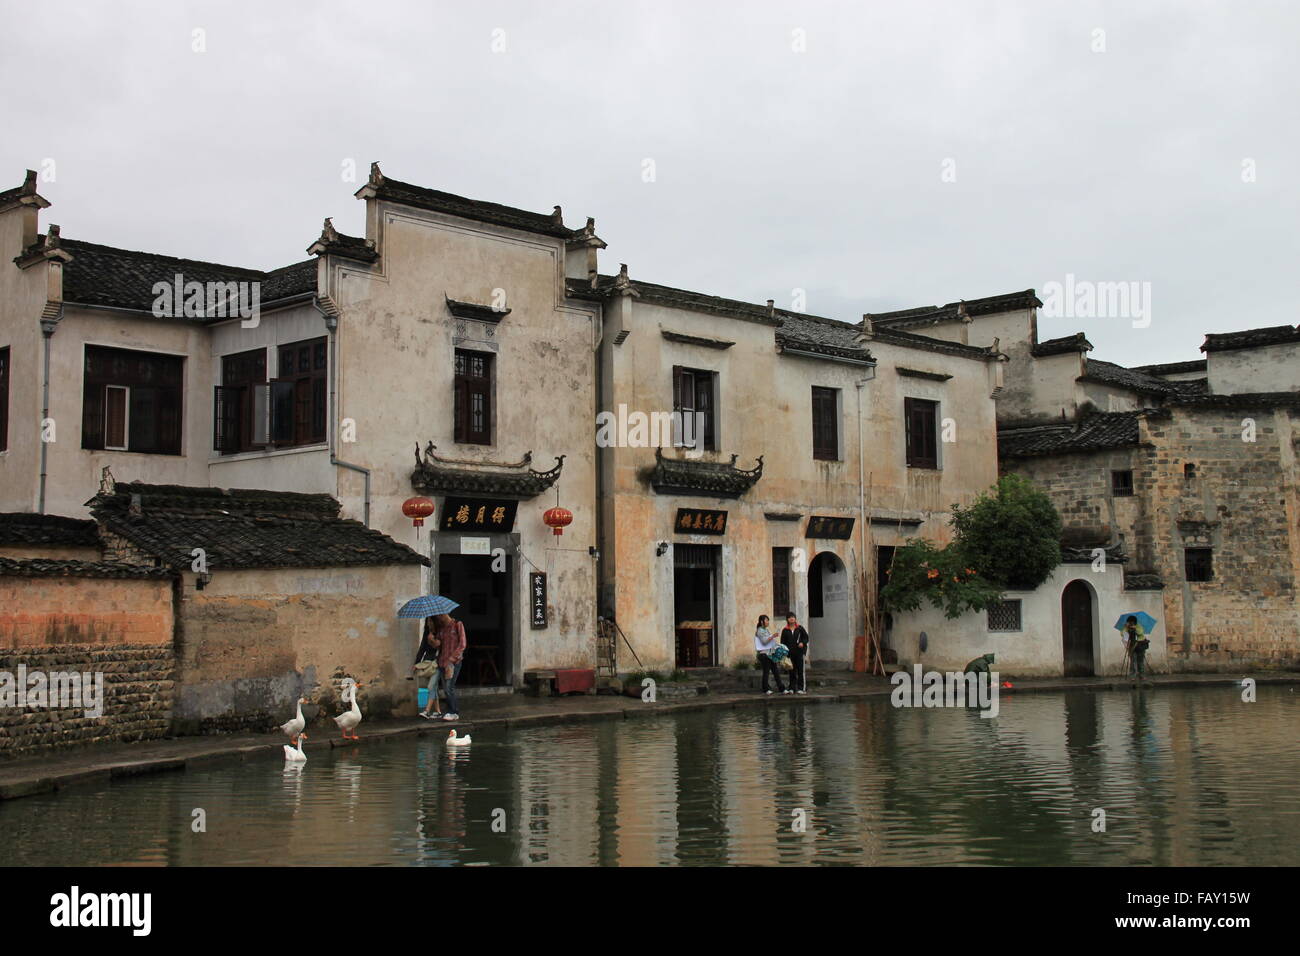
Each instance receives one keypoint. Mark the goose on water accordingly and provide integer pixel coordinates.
(295, 755)
(454, 741)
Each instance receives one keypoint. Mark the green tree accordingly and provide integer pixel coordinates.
(1009, 537)
(1011, 534)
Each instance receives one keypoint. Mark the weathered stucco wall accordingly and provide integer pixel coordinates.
(396, 344)
(1037, 649)
(1272, 368)
(765, 408)
(253, 641)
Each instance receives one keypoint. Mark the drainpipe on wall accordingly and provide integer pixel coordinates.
(49, 321)
(331, 327)
(862, 499)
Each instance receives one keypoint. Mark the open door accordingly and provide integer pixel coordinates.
(1077, 629)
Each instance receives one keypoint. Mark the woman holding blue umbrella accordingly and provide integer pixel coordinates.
(437, 657)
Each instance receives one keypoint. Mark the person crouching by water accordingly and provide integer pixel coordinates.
(427, 655)
(764, 643)
(795, 638)
(451, 635)
(1136, 640)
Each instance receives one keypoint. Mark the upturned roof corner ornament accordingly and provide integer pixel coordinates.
(868, 331)
(622, 285)
(435, 475)
(684, 476)
(376, 177)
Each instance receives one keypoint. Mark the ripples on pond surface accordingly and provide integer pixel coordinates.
(1186, 777)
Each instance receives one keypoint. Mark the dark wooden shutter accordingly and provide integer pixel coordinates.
(92, 414)
(919, 419)
(225, 419)
(780, 582)
(825, 430)
(115, 406)
(4, 398)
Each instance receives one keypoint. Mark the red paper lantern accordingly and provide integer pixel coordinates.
(558, 519)
(417, 509)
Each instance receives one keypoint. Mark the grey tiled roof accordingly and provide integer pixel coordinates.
(1238, 400)
(822, 335)
(104, 275)
(936, 314)
(243, 528)
(682, 476)
(435, 200)
(1078, 342)
(1142, 581)
(432, 477)
(1108, 373)
(1250, 338)
(1094, 433)
(25, 528)
(1172, 368)
(43, 568)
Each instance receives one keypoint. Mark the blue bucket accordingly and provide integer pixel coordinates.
(424, 697)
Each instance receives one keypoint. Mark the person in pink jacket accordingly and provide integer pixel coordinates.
(451, 636)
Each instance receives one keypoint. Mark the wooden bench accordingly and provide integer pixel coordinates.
(541, 683)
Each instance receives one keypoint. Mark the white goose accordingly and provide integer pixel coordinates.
(295, 755)
(294, 727)
(349, 719)
(454, 741)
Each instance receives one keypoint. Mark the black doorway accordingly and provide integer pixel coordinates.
(485, 609)
(1076, 629)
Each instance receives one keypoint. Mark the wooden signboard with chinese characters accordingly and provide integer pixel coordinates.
(478, 514)
(700, 521)
(537, 598)
(822, 526)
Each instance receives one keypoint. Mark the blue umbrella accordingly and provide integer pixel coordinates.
(427, 606)
(1145, 620)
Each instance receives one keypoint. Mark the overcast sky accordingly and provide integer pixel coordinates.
(877, 156)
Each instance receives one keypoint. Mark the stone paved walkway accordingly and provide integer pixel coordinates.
(98, 765)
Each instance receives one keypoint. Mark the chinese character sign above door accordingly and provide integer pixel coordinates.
(700, 521)
(478, 514)
(537, 598)
(822, 526)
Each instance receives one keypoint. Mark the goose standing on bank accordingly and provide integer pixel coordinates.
(294, 727)
(349, 719)
(295, 756)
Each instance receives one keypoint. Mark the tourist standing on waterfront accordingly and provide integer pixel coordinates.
(451, 635)
(765, 642)
(427, 654)
(1135, 640)
(794, 637)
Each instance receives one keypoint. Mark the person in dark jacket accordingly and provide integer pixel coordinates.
(795, 638)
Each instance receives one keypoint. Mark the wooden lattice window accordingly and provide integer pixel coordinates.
(1004, 616)
(825, 423)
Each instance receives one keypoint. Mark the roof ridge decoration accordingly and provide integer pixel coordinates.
(710, 479)
(333, 242)
(1078, 342)
(461, 476)
(24, 195)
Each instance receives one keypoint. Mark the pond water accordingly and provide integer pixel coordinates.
(1185, 777)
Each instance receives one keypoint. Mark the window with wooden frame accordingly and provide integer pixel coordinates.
(693, 402)
(1121, 483)
(298, 399)
(472, 402)
(131, 401)
(921, 421)
(241, 405)
(1198, 564)
(780, 582)
(4, 398)
(826, 423)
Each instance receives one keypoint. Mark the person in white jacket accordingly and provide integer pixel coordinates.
(764, 643)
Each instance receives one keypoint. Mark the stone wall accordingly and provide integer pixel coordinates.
(1239, 499)
(120, 628)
